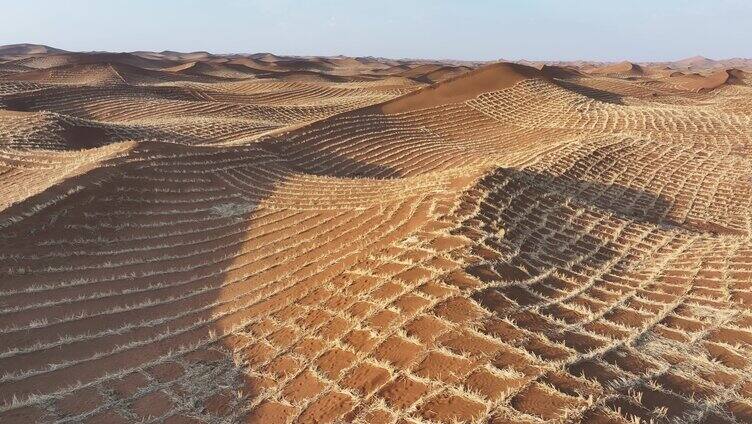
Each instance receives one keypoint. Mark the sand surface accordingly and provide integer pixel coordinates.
(194, 238)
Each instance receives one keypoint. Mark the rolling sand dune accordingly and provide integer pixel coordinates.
(14, 50)
(61, 59)
(431, 73)
(223, 70)
(711, 81)
(255, 64)
(561, 72)
(463, 87)
(322, 240)
(177, 56)
(623, 68)
(695, 62)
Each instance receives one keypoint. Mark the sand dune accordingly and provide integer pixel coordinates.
(463, 87)
(199, 238)
(107, 73)
(27, 50)
(711, 81)
(694, 62)
(89, 74)
(266, 57)
(255, 64)
(52, 131)
(430, 73)
(623, 68)
(224, 70)
(561, 72)
(62, 59)
(177, 56)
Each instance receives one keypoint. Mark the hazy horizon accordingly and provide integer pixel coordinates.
(477, 30)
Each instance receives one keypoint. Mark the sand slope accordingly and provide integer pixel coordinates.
(711, 81)
(623, 68)
(463, 87)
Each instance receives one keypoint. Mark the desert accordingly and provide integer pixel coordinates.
(260, 238)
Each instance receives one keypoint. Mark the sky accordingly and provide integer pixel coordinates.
(637, 30)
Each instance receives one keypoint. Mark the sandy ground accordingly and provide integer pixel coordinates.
(191, 238)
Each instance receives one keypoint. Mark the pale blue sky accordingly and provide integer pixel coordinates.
(470, 29)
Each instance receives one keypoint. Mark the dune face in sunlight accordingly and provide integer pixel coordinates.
(188, 237)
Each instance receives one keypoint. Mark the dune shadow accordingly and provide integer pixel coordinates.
(533, 227)
(124, 260)
(161, 243)
(593, 93)
(567, 264)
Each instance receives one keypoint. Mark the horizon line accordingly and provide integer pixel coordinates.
(412, 58)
